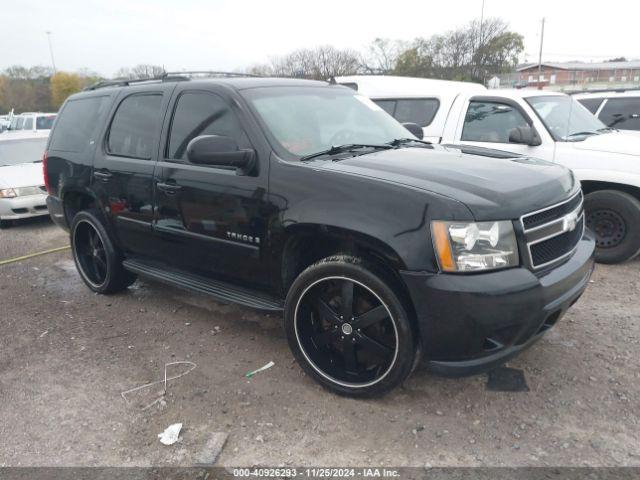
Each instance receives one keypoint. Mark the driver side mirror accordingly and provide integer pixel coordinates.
(220, 151)
(525, 136)
(414, 129)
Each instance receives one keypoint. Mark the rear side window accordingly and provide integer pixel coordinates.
(491, 122)
(623, 113)
(202, 113)
(413, 110)
(78, 123)
(28, 123)
(135, 126)
(420, 111)
(591, 104)
(45, 122)
(388, 106)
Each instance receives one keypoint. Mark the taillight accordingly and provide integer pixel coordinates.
(45, 157)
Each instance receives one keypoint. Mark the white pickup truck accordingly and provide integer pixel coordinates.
(547, 125)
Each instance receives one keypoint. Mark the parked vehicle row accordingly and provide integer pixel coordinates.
(307, 198)
(620, 110)
(541, 124)
(31, 123)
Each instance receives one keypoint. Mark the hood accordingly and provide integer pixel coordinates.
(494, 187)
(614, 142)
(22, 175)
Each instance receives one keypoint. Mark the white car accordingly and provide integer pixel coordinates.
(548, 125)
(619, 110)
(22, 190)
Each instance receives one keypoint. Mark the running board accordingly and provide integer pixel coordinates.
(220, 290)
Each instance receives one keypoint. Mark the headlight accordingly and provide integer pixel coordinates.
(8, 193)
(471, 246)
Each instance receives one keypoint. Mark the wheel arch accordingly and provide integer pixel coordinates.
(304, 244)
(590, 186)
(76, 200)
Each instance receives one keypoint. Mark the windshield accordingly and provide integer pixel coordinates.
(14, 152)
(565, 118)
(45, 122)
(307, 120)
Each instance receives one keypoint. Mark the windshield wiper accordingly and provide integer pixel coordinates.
(349, 147)
(608, 129)
(403, 141)
(579, 134)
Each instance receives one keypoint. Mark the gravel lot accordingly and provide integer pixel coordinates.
(67, 354)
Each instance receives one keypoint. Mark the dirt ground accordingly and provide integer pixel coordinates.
(67, 354)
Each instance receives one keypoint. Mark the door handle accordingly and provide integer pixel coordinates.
(168, 188)
(103, 175)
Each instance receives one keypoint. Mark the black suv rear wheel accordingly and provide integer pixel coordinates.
(348, 329)
(96, 258)
(614, 218)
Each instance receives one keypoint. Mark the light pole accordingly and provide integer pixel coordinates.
(51, 51)
(540, 57)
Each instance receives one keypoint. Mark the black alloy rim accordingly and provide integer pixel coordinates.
(346, 332)
(608, 226)
(90, 253)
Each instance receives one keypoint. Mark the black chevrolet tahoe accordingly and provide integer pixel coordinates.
(306, 198)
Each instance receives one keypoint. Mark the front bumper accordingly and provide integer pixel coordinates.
(23, 207)
(472, 323)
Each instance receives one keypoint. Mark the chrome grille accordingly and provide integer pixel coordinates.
(553, 233)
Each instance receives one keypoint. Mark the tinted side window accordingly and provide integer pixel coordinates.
(77, 126)
(490, 122)
(622, 113)
(19, 123)
(28, 123)
(420, 110)
(388, 106)
(591, 104)
(135, 126)
(202, 113)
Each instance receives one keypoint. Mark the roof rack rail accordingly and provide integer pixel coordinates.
(207, 73)
(122, 82)
(168, 77)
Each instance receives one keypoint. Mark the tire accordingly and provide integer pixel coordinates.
(369, 353)
(614, 217)
(97, 260)
(5, 223)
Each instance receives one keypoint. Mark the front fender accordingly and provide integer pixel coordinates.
(396, 215)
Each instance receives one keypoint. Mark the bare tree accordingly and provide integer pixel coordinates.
(140, 72)
(382, 55)
(319, 63)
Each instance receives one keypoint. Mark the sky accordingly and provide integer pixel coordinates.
(103, 36)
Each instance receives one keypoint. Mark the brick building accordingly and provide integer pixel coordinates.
(576, 75)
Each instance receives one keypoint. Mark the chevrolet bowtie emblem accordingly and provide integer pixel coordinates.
(569, 222)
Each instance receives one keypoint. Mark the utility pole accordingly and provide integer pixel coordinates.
(540, 56)
(480, 39)
(51, 51)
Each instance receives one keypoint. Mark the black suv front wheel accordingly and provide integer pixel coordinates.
(96, 257)
(348, 329)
